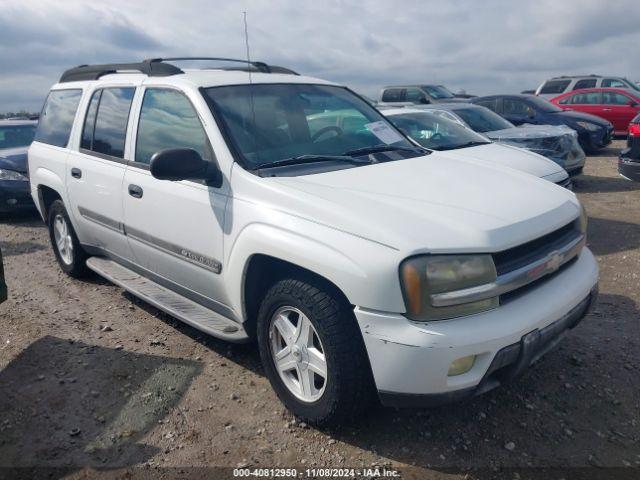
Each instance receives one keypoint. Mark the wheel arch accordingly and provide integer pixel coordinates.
(256, 283)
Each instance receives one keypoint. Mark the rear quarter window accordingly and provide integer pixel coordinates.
(58, 114)
(555, 86)
(491, 104)
(392, 95)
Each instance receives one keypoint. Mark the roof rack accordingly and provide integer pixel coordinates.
(593, 75)
(158, 67)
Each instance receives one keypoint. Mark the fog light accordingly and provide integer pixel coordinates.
(461, 365)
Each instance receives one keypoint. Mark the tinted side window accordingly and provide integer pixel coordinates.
(56, 119)
(110, 128)
(612, 82)
(168, 120)
(413, 95)
(585, 83)
(612, 98)
(555, 86)
(90, 121)
(392, 95)
(592, 98)
(516, 107)
(491, 104)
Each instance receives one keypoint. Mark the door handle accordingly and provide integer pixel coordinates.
(135, 191)
(606, 109)
(76, 173)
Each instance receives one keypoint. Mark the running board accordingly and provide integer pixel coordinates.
(168, 301)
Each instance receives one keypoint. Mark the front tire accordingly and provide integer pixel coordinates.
(313, 354)
(66, 247)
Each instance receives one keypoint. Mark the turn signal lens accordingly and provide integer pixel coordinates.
(412, 288)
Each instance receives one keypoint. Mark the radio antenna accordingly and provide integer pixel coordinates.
(246, 41)
(249, 67)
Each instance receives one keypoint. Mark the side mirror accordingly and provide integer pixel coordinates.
(424, 100)
(631, 103)
(184, 164)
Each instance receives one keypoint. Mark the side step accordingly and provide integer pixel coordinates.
(175, 305)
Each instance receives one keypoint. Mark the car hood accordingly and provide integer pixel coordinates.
(513, 157)
(528, 131)
(573, 116)
(455, 99)
(434, 203)
(14, 159)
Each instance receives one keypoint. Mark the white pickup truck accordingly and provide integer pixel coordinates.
(365, 267)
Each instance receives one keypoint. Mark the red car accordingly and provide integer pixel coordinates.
(617, 105)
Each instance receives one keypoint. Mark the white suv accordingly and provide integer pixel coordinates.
(554, 87)
(245, 203)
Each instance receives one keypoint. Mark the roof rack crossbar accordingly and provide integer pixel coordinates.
(159, 67)
(94, 72)
(261, 66)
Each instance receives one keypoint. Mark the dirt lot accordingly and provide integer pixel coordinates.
(94, 381)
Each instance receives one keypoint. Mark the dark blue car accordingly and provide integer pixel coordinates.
(594, 132)
(15, 138)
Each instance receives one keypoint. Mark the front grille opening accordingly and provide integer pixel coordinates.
(519, 292)
(527, 253)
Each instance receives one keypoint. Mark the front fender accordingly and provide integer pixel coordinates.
(365, 272)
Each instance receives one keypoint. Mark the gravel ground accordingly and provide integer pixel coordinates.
(98, 383)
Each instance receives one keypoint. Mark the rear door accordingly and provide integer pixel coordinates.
(96, 170)
(175, 229)
(618, 109)
(588, 102)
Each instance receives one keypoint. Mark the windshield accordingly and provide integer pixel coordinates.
(632, 85)
(481, 119)
(436, 132)
(543, 104)
(12, 136)
(438, 92)
(269, 123)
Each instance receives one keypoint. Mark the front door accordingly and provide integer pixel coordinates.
(95, 173)
(617, 109)
(175, 229)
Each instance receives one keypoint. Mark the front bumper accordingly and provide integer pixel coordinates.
(629, 168)
(410, 360)
(15, 195)
(591, 141)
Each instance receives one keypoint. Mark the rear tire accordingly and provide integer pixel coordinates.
(66, 247)
(321, 336)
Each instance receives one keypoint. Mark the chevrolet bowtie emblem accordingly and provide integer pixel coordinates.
(554, 261)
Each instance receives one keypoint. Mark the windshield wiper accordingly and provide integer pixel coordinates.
(464, 145)
(302, 159)
(380, 148)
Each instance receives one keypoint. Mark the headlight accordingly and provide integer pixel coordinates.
(592, 127)
(584, 220)
(427, 275)
(11, 175)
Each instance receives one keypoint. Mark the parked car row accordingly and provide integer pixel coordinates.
(593, 132)
(435, 132)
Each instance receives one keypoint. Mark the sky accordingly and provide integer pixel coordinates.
(482, 47)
